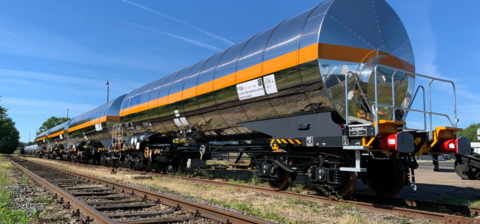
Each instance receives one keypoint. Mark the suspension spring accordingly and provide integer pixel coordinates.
(408, 181)
(337, 177)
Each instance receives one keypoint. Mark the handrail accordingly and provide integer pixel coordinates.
(424, 111)
(346, 96)
(376, 100)
(424, 106)
(429, 90)
(393, 94)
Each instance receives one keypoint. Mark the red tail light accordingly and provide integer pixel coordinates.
(401, 142)
(460, 145)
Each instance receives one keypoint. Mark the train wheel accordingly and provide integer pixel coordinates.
(349, 179)
(387, 185)
(285, 181)
(466, 175)
(132, 165)
(147, 164)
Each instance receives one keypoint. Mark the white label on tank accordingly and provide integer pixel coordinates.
(310, 141)
(184, 121)
(250, 89)
(391, 141)
(177, 122)
(270, 85)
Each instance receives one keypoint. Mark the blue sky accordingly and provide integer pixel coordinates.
(57, 54)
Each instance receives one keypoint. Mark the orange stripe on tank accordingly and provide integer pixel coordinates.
(204, 88)
(175, 97)
(246, 74)
(40, 139)
(224, 81)
(56, 134)
(94, 122)
(279, 63)
(189, 93)
(308, 53)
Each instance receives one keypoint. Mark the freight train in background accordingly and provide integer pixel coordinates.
(325, 93)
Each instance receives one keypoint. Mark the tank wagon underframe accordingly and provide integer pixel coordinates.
(325, 93)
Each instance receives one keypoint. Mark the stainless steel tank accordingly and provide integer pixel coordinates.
(40, 139)
(295, 68)
(94, 125)
(56, 137)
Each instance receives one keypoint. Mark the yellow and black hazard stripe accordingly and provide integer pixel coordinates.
(127, 148)
(286, 141)
(276, 142)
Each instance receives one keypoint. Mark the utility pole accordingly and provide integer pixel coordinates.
(108, 89)
(67, 112)
(29, 137)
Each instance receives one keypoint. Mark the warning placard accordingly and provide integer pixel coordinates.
(250, 89)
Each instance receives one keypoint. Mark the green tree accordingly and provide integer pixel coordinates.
(9, 135)
(51, 122)
(470, 132)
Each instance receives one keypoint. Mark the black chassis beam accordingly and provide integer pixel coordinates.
(226, 148)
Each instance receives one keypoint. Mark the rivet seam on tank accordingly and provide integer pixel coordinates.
(336, 20)
(378, 24)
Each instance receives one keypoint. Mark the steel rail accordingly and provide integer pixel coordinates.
(407, 212)
(75, 204)
(202, 210)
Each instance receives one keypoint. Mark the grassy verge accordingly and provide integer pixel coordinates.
(269, 207)
(475, 202)
(224, 163)
(9, 213)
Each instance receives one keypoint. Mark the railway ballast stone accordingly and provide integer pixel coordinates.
(138, 177)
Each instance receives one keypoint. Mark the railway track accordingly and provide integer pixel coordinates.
(94, 200)
(417, 209)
